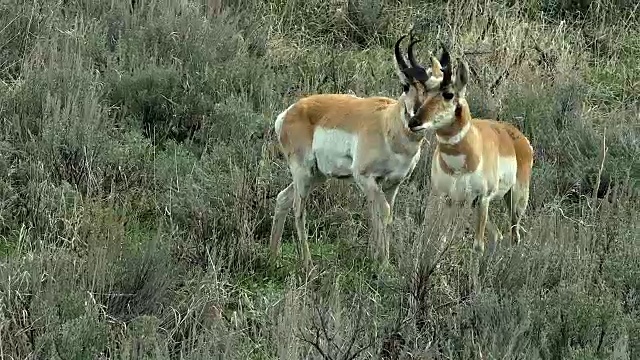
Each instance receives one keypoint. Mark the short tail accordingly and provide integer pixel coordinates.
(272, 143)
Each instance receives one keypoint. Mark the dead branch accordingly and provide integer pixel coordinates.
(332, 350)
(214, 7)
(603, 156)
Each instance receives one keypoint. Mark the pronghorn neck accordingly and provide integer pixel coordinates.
(458, 151)
(400, 137)
(459, 129)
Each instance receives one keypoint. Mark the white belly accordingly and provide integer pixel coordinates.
(460, 188)
(333, 150)
(466, 187)
(335, 153)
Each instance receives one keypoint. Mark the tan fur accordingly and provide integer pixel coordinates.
(385, 152)
(371, 117)
(499, 139)
(492, 159)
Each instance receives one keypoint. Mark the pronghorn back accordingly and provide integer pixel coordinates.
(296, 126)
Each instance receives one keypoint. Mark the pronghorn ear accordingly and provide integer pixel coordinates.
(462, 78)
(436, 67)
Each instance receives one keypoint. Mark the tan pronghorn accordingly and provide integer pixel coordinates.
(365, 140)
(475, 160)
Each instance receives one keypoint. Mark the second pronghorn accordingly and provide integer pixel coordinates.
(475, 160)
(366, 140)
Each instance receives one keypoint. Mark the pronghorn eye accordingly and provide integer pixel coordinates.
(447, 96)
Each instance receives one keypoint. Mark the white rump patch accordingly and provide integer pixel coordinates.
(280, 120)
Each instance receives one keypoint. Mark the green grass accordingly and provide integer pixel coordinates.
(138, 179)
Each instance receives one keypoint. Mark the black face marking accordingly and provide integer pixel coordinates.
(416, 107)
(447, 95)
(445, 86)
(446, 77)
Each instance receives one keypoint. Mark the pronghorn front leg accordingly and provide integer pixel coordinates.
(481, 206)
(380, 213)
(482, 213)
(482, 223)
(300, 218)
(390, 195)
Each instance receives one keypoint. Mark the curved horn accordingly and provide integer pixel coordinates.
(446, 80)
(399, 58)
(445, 58)
(412, 58)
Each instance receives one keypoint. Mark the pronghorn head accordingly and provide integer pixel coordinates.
(417, 81)
(439, 105)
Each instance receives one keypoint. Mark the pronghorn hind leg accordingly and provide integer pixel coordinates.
(390, 194)
(284, 202)
(482, 214)
(517, 200)
(520, 208)
(303, 182)
(300, 215)
(495, 236)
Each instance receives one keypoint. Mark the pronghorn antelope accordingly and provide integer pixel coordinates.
(365, 140)
(475, 160)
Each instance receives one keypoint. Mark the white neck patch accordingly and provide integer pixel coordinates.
(457, 137)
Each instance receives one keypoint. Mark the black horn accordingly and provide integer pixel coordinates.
(412, 58)
(399, 58)
(445, 58)
(446, 80)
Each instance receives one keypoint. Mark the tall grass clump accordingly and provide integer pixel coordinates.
(139, 170)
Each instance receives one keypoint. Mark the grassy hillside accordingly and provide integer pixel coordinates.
(138, 176)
